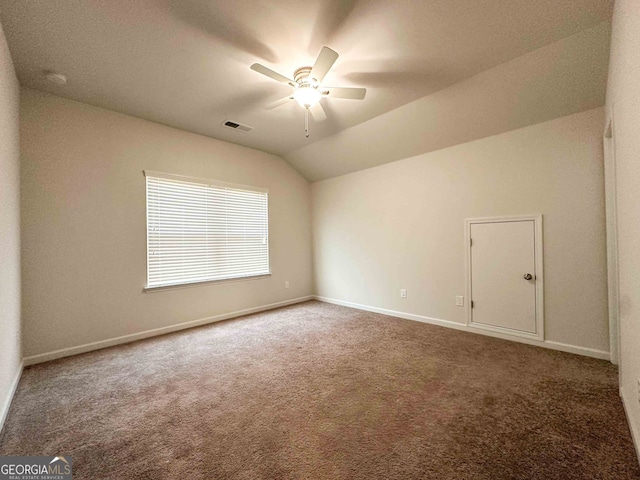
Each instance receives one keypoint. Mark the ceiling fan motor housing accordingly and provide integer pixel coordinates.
(302, 77)
(306, 82)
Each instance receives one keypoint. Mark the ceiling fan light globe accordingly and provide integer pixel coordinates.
(307, 96)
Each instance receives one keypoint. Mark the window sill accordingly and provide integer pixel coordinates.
(203, 283)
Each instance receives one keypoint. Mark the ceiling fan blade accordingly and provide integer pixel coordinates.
(344, 92)
(317, 112)
(323, 64)
(271, 74)
(278, 103)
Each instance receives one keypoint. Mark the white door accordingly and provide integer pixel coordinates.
(503, 276)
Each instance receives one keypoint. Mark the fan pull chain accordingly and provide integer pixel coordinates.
(306, 122)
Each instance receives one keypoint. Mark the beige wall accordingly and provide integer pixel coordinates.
(10, 355)
(401, 225)
(623, 97)
(83, 221)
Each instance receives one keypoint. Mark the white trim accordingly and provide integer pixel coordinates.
(608, 141)
(204, 181)
(635, 434)
(586, 351)
(563, 347)
(539, 275)
(394, 313)
(6, 403)
(88, 347)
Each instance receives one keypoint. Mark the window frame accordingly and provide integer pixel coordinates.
(211, 183)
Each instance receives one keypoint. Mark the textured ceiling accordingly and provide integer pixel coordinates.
(562, 78)
(185, 63)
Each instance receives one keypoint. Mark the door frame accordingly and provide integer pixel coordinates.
(613, 288)
(538, 254)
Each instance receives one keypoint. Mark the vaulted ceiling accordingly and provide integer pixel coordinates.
(185, 63)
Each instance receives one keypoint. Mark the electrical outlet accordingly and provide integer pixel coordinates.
(286, 284)
(459, 300)
(403, 293)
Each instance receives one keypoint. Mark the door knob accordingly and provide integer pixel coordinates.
(527, 276)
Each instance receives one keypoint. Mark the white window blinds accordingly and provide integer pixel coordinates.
(199, 231)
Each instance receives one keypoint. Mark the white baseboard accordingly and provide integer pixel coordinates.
(6, 402)
(587, 352)
(88, 347)
(563, 347)
(635, 433)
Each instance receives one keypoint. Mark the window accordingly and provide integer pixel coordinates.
(199, 230)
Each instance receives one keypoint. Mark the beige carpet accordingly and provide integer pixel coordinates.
(317, 391)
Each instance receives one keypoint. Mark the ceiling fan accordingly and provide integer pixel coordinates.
(308, 88)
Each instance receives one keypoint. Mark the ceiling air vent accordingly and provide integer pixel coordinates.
(237, 126)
